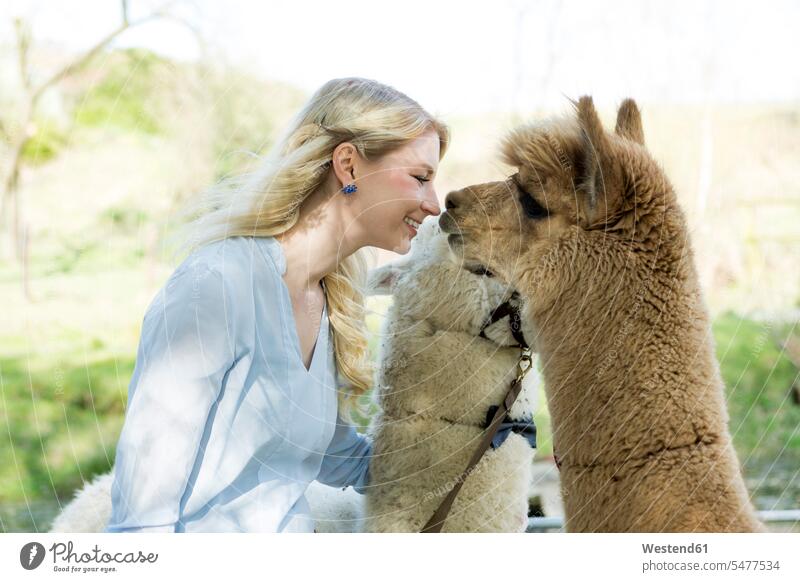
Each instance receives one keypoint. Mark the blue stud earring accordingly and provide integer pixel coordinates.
(349, 189)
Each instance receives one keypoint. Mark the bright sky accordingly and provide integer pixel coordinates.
(466, 56)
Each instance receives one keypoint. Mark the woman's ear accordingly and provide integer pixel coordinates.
(344, 159)
(381, 280)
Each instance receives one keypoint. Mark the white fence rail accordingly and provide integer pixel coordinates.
(542, 524)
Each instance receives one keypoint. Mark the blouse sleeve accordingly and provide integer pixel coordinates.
(346, 461)
(183, 357)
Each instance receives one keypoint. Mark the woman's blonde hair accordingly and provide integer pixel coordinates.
(376, 119)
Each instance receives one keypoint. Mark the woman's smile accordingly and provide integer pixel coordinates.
(413, 225)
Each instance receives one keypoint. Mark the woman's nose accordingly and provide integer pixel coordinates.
(430, 203)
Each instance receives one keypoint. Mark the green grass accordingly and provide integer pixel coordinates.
(59, 422)
(764, 418)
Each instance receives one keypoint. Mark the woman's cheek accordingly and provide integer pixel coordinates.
(399, 182)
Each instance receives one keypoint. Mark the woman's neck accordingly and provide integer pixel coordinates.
(317, 243)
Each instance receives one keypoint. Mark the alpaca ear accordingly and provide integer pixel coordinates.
(381, 280)
(629, 122)
(599, 186)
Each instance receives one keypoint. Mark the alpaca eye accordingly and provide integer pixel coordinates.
(532, 208)
(481, 271)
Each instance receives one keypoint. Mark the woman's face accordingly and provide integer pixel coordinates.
(394, 190)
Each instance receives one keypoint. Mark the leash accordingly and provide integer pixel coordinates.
(436, 522)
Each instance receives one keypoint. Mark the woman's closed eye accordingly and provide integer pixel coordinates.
(422, 179)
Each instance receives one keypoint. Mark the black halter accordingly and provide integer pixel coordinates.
(509, 309)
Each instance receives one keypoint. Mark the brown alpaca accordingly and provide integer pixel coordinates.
(590, 232)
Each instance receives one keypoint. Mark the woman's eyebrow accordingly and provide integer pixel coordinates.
(425, 166)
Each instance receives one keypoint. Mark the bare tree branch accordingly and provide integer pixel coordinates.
(18, 140)
(23, 46)
(89, 54)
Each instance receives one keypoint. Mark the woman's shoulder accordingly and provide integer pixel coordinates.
(234, 259)
(226, 270)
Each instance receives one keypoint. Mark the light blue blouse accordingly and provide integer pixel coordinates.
(225, 427)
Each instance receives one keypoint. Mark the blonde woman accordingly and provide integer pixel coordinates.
(234, 405)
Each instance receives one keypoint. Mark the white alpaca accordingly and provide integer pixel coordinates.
(436, 380)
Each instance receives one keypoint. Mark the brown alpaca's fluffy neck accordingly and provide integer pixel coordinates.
(617, 347)
(640, 424)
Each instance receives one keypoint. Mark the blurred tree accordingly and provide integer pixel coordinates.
(20, 132)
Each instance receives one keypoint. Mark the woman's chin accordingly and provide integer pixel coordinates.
(403, 246)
